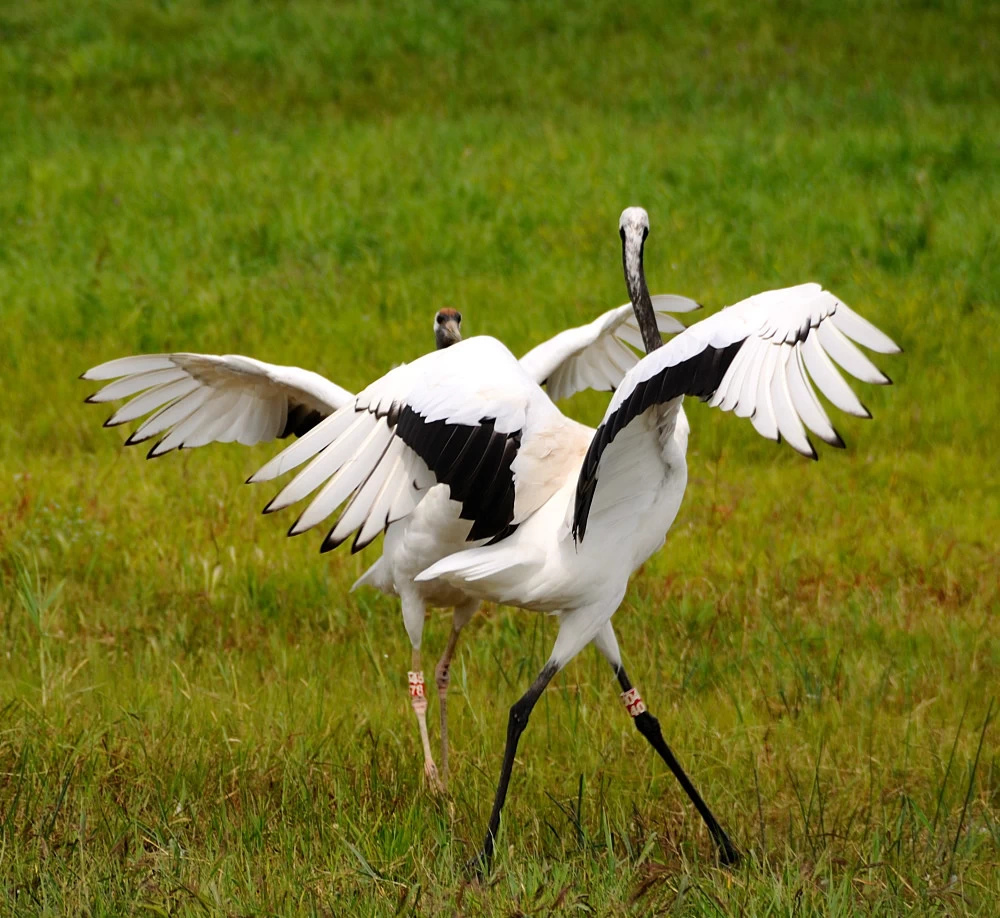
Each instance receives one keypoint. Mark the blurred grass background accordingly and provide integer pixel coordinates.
(196, 717)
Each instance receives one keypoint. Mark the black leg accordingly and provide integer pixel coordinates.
(518, 720)
(649, 727)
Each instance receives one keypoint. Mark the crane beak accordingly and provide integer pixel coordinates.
(447, 333)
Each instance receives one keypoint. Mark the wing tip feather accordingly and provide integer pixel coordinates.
(293, 530)
(330, 543)
(134, 440)
(153, 454)
(358, 545)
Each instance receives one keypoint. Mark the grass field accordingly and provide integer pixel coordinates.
(195, 715)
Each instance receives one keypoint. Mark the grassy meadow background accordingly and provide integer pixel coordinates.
(195, 715)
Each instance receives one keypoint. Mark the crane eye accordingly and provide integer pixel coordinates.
(441, 319)
(458, 317)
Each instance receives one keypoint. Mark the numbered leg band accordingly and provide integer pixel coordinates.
(633, 702)
(416, 685)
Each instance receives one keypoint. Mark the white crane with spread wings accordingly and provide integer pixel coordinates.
(463, 445)
(191, 400)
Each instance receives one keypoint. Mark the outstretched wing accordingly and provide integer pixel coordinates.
(459, 416)
(759, 359)
(597, 355)
(196, 399)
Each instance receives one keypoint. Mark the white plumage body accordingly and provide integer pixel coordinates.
(488, 492)
(542, 568)
(567, 549)
(414, 543)
(195, 399)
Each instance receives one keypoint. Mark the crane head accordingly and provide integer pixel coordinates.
(634, 220)
(633, 227)
(447, 327)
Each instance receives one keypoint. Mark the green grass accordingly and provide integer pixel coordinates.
(195, 715)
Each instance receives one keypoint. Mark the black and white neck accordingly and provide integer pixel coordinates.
(633, 227)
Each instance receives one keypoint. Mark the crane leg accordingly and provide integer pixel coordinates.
(442, 675)
(418, 698)
(516, 722)
(414, 612)
(649, 727)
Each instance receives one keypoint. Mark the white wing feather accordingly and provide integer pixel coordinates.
(781, 335)
(752, 359)
(196, 399)
(356, 454)
(775, 327)
(595, 356)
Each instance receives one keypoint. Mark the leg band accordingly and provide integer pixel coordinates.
(416, 681)
(633, 702)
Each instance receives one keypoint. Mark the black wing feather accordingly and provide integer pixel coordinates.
(474, 460)
(301, 419)
(493, 510)
(698, 376)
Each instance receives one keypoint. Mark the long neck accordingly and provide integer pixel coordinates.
(638, 292)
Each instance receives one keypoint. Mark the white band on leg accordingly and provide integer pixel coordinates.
(633, 702)
(416, 681)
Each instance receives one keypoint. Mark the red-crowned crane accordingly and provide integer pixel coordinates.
(195, 399)
(564, 514)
